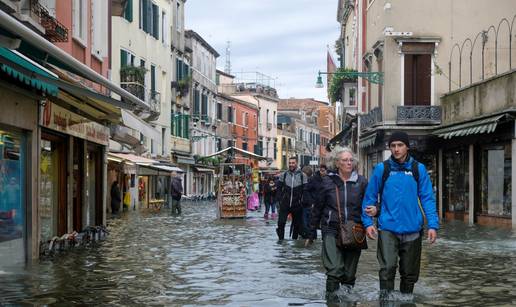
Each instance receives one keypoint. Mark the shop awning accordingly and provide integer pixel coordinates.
(244, 153)
(134, 122)
(26, 71)
(185, 160)
(167, 168)
(203, 170)
(485, 125)
(131, 158)
(367, 141)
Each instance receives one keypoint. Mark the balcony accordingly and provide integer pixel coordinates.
(371, 119)
(54, 30)
(418, 115)
(132, 80)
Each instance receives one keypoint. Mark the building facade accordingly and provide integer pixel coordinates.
(55, 124)
(419, 62)
(204, 108)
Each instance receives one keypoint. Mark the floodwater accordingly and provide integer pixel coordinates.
(152, 258)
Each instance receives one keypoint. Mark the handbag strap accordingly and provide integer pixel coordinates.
(337, 193)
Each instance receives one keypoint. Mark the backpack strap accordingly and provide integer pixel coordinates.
(385, 176)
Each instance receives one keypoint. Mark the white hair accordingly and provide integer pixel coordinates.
(337, 151)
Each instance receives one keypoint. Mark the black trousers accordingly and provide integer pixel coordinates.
(297, 221)
(390, 249)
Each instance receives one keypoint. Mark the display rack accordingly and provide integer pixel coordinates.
(232, 199)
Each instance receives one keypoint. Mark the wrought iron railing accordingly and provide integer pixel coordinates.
(373, 118)
(430, 115)
(54, 30)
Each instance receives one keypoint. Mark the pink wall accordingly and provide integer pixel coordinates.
(73, 47)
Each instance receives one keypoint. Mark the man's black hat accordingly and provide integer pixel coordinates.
(399, 136)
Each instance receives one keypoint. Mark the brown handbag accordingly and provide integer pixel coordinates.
(351, 235)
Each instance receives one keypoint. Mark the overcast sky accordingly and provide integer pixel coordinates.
(284, 39)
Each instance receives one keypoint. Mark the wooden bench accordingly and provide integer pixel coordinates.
(156, 203)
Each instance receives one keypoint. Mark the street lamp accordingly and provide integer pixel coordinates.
(373, 77)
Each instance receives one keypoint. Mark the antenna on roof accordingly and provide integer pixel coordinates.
(227, 68)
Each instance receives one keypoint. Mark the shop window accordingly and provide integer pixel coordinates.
(456, 181)
(495, 189)
(12, 200)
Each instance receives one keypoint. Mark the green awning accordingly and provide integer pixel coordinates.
(486, 125)
(11, 63)
(367, 141)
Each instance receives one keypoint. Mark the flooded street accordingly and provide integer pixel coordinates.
(195, 259)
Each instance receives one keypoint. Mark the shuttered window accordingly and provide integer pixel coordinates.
(128, 13)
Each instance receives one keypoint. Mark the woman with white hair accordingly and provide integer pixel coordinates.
(348, 187)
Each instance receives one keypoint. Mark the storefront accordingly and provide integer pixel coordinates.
(477, 170)
(71, 144)
(20, 96)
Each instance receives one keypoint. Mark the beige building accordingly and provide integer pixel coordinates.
(423, 50)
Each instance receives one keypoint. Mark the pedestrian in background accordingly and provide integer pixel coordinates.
(340, 264)
(269, 198)
(116, 197)
(290, 189)
(309, 199)
(405, 191)
(176, 191)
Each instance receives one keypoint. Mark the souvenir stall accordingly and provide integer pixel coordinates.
(235, 193)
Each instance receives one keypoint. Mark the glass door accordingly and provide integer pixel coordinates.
(12, 198)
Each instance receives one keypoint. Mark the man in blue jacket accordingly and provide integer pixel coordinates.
(406, 197)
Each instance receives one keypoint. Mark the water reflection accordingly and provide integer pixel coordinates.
(195, 259)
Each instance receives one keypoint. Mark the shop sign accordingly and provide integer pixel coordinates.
(57, 118)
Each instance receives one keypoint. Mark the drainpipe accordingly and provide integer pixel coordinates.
(11, 24)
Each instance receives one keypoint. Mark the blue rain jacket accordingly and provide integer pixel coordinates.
(399, 211)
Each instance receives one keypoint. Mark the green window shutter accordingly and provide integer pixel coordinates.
(155, 21)
(186, 126)
(123, 58)
(196, 103)
(172, 125)
(179, 127)
(128, 14)
(178, 69)
(185, 70)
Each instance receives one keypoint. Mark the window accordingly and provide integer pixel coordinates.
(352, 98)
(164, 25)
(417, 72)
(219, 144)
(128, 13)
(219, 111)
(495, 189)
(274, 118)
(153, 80)
(244, 119)
(99, 29)
(178, 17)
(204, 107)
(163, 134)
(197, 103)
(417, 79)
(456, 182)
(275, 149)
(80, 21)
(267, 118)
(230, 114)
(149, 18)
(155, 22)
(244, 145)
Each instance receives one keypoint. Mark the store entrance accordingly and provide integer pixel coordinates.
(53, 209)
